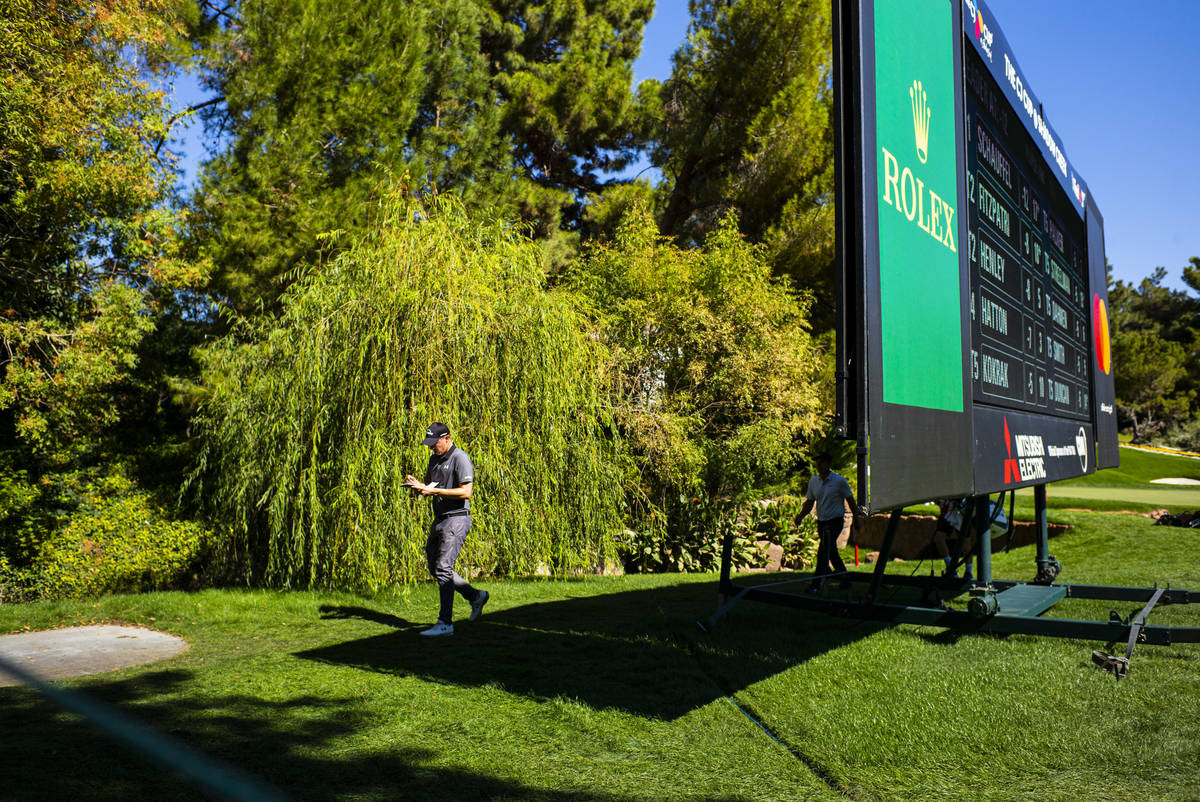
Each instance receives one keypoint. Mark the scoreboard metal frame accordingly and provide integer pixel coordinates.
(973, 349)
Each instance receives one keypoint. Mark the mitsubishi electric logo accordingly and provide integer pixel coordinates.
(1031, 453)
(1030, 462)
(921, 112)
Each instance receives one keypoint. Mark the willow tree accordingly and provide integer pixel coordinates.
(314, 419)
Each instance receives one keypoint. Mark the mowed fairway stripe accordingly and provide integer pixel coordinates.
(1173, 497)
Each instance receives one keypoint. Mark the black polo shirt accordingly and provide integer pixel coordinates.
(452, 469)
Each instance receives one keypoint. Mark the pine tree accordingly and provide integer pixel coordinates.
(515, 105)
(746, 128)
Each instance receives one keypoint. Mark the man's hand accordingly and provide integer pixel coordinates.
(415, 484)
(804, 510)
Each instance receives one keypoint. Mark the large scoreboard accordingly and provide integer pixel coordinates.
(973, 335)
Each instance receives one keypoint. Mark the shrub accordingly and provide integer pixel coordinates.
(111, 537)
(1184, 436)
(718, 379)
(22, 516)
(691, 540)
(780, 524)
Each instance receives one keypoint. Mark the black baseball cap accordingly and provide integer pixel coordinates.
(435, 432)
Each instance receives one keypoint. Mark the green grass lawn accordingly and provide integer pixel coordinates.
(1176, 499)
(1138, 468)
(1128, 487)
(605, 689)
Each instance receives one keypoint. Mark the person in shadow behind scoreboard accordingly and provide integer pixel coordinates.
(828, 491)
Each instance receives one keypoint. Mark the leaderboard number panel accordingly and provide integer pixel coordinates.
(1034, 240)
(1029, 312)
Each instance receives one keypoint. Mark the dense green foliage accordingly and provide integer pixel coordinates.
(84, 235)
(83, 533)
(117, 539)
(718, 377)
(314, 421)
(90, 260)
(1156, 357)
(690, 538)
(511, 104)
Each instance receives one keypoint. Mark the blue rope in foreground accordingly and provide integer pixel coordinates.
(761, 726)
(216, 777)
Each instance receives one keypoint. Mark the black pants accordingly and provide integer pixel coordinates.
(827, 551)
(446, 537)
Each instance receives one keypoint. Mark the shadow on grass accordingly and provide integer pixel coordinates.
(637, 651)
(54, 756)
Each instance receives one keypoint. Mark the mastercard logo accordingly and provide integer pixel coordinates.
(1100, 333)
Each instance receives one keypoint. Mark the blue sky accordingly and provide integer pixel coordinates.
(1119, 84)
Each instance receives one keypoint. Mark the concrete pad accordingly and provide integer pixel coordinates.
(75, 651)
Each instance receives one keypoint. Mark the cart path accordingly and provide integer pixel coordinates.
(76, 651)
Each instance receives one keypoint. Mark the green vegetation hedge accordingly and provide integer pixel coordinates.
(314, 419)
(96, 532)
(718, 379)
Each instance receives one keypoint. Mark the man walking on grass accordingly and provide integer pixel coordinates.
(449, 478)
(828, 490)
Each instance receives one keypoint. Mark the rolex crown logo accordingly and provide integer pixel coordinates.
(920, 110)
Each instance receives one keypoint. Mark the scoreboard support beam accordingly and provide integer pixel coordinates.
(993, 605)
(726, 567)
(1047, 566)
(983, 526)
(885, 556)
(1043, 541)
(1001, 607)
